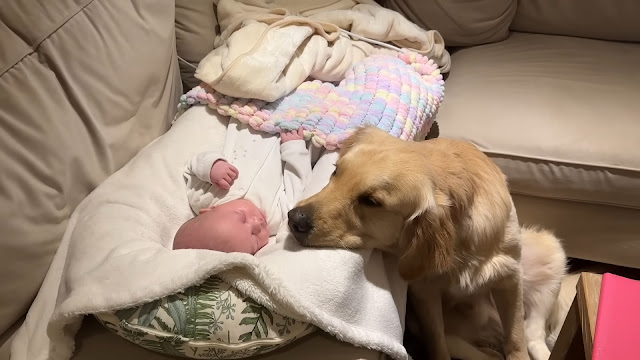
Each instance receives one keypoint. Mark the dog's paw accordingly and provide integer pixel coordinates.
(539, 350)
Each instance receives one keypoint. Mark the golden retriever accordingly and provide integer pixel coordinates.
(443, 207)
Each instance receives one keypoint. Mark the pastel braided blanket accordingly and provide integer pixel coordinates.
(400, 95)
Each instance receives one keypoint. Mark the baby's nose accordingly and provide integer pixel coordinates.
(257, 222)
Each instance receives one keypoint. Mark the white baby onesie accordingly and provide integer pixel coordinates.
(263, 179)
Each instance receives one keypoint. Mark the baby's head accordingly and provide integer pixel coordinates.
(236, 226)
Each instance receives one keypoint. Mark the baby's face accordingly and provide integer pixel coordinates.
(237, 226)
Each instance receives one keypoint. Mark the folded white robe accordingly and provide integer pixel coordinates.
(267, 48)
(116, 254)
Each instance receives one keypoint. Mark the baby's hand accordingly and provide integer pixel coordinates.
(292, 135)
(223, 174)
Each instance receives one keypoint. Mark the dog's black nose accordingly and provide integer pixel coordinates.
(300, 223)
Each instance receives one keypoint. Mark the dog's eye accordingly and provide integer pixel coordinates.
(334, 172)
(368, 200)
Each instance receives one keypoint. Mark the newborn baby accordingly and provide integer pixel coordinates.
(242, 216)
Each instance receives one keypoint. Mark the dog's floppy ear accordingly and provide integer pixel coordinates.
(428, 244)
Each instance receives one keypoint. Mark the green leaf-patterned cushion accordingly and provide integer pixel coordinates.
(209, 321)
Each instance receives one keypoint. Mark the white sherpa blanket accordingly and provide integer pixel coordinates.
(266, 48)
(116, 254)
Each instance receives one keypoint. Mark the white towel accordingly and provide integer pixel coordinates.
(116, 254)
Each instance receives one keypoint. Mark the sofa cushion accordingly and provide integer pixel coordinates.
(596, 19)
(196, 28)
(559, 115)
(460, 22)
(84, 84)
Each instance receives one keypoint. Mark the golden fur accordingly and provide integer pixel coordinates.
(442, 206)
(446, 191)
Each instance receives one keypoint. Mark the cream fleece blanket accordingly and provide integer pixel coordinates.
(116, 254)
(267, 48)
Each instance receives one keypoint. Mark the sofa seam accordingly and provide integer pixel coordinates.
(567, 199)
(63, 23)
(520, 157)
(36, 45)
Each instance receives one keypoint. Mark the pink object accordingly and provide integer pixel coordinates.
(617, 334)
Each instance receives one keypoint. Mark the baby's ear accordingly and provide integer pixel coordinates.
(202, 211)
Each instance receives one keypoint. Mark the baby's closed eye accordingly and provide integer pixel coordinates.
(243, 216)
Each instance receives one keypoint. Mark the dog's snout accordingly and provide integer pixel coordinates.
(300, 223)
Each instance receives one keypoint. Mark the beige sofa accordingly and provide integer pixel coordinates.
(84, 84)
(551, 91)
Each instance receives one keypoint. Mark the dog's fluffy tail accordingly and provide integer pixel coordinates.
(544, 265)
